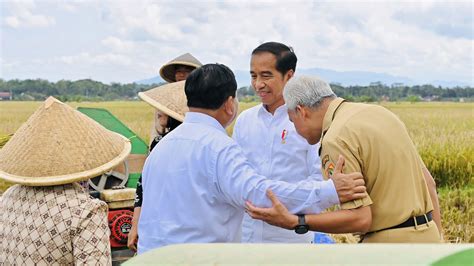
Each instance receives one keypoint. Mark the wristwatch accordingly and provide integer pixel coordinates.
(302, 227)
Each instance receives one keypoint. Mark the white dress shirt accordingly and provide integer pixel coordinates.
(199, 192)
(277, 151)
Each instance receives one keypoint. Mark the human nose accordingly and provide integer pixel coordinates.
(259, 84)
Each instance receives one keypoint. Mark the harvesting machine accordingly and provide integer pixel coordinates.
(117, 186)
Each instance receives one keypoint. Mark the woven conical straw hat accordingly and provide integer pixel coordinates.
(59, 145)
(169, 99)
(167, 71)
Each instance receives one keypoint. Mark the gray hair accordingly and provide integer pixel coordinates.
(306, 91)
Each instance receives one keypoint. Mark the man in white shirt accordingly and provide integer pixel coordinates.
(269, 139)
(204, 179)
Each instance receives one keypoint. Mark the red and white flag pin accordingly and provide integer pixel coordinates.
(284, 134)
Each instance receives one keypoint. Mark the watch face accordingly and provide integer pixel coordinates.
(301, 229)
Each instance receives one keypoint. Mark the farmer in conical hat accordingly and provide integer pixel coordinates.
(165, 119)
(175, 70)
(170, 102)
(48, 218)
(179, 68)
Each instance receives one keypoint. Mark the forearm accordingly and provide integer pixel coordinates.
(309, 196)
(342, 221)
(436, 211)
(434, 199)
(242, 183)
(136, 216)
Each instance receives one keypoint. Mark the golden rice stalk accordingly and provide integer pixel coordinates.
(4, 139)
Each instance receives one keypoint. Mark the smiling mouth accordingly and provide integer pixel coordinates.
(262, 94)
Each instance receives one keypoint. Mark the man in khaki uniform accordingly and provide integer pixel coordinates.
(373, 141)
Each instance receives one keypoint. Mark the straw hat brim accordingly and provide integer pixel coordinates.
(167, 71)
(59, 145)
(69, 178)
(169, 99)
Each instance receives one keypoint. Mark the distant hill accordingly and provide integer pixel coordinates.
(348, 78)
(154, 80)
(344, 78)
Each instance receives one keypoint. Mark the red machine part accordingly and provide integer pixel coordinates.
(120, 223)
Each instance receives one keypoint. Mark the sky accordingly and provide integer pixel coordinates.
(125, 41)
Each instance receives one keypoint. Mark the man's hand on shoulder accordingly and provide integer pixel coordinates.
(348, 186)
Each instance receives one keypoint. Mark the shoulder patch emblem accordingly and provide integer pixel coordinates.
(327, 166)
(325, 161)
(329, 170)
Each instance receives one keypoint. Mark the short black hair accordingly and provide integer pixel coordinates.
(285, 56)
(209, 86)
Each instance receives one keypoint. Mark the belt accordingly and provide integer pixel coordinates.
(413, 221)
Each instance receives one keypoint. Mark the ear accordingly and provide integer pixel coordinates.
(229, 106)
(303, 112)
(289, 74)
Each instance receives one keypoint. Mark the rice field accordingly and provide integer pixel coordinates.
(442, 132)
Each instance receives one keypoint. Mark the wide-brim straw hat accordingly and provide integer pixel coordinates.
(169, 99)
(59, 145)
(168, 70)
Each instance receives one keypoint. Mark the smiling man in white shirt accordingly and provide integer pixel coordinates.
(269, 139)
(198, 194)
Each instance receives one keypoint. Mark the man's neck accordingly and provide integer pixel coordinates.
(322, 110)
(212, 113)
(272, 108)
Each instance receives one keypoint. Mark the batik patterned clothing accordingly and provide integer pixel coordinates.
(53, 225)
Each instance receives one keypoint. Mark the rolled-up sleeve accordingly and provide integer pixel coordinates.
(351, 164)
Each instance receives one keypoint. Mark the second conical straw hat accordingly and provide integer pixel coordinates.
(60, 145)
(169, 99)
(168, 70)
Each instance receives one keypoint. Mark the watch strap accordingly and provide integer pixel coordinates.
(301, 219)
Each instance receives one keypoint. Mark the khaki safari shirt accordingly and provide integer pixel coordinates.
(53, 225)
(376, 143)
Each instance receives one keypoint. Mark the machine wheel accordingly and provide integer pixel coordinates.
(110, 179)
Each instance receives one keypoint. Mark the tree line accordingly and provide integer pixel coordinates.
(65, 90)
(380, 92)
(90, 90)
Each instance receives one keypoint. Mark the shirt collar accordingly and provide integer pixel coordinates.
(329, 116)
(282, 109)
(201, 118)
